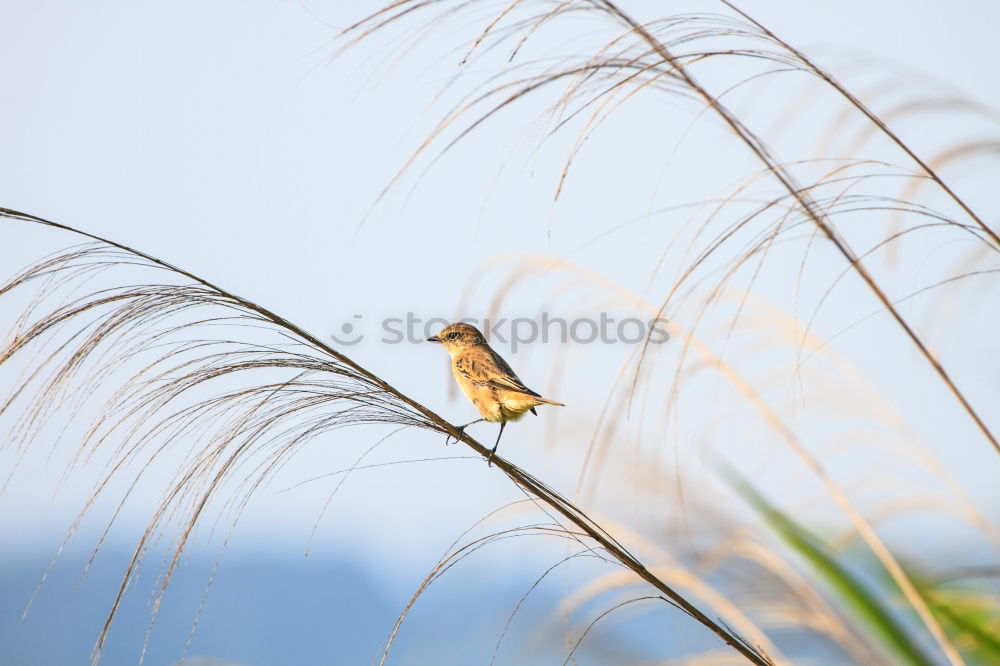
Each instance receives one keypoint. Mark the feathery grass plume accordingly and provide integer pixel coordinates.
(969, 614)
(866, 406)
(685, 56)
(866, 606)
(238, 389)
(663, 54)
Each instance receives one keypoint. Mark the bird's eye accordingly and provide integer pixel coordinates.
(454, 335)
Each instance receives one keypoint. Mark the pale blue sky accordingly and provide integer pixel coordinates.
(217, 136)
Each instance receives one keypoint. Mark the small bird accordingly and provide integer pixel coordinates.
(486, 379)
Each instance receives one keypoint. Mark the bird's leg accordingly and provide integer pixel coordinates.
(461, 429)
(489, 459)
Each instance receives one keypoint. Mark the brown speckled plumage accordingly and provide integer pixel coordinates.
(486, 379)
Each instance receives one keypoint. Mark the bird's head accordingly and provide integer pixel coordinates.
(456, 337)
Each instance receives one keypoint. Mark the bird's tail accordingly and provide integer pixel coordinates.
(546, 401)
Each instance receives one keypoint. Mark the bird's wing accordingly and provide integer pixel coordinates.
(486, 368)
(505, 378)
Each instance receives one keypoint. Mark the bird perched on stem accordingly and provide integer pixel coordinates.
(486, 379)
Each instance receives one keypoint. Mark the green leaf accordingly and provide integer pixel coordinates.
(865, 608)
(970, 615)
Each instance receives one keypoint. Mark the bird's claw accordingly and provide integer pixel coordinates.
(447, 439)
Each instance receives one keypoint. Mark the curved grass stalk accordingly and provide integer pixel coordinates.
(600, 617)
(875, 119)
(861, 525)
(877, 617)
(662, 52)
(684, 579)
(679, 70)
(263, 415)
(759, 148)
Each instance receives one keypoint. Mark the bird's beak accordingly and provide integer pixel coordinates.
(434, 338)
